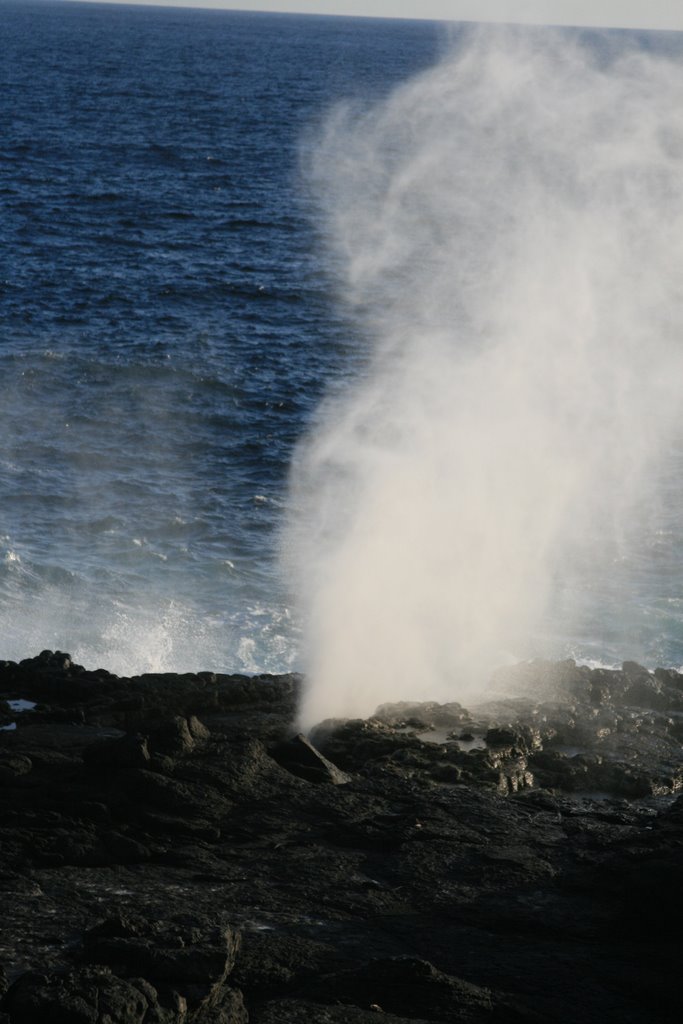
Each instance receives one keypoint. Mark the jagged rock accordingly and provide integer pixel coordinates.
(350, 744)
(541, 871)
(269, 960)
(646, 690)
(14, 766)
(545, 680)
(48, 660)
(300, 757)
(122, 849)
(608, 686)
(84, 996)
(229, 1008)
(516, 737)
(670, 677)
(410, 987)
(423, 714)
(178, 736)
(299, 1011)
(172, 953)
(198, 731)
(175, 795)
(126, 754)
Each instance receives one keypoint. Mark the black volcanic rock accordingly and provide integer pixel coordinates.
(172, 853)
(190, 956)
(411, 987)
(299, 756)
(76, 997)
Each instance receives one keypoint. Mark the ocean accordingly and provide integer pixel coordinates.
(171, 317)
(168, 323)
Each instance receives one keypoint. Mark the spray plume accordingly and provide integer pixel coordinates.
(509, 227)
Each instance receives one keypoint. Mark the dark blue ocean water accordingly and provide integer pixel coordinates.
(167, 325)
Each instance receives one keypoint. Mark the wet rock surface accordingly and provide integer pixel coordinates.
(172, 851)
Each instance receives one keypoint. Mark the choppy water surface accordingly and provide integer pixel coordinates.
(169, 326)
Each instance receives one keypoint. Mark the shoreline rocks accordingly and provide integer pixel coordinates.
(173, 852)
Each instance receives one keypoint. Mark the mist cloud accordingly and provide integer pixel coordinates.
(509, 228)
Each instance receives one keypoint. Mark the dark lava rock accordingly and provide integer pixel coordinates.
(172, 953)
(295, 1011)
(13, 767)
(520, 737)
(77, 997)
(411, 988)
(127, 753)
(423, 714)
(173, 854)
(300, 757)
(351, 744)
(179, 736)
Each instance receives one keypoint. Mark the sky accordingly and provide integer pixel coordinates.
(655, 14)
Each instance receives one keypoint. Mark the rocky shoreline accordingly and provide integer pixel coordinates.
(172, 854)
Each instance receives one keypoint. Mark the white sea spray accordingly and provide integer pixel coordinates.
(509, 230)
